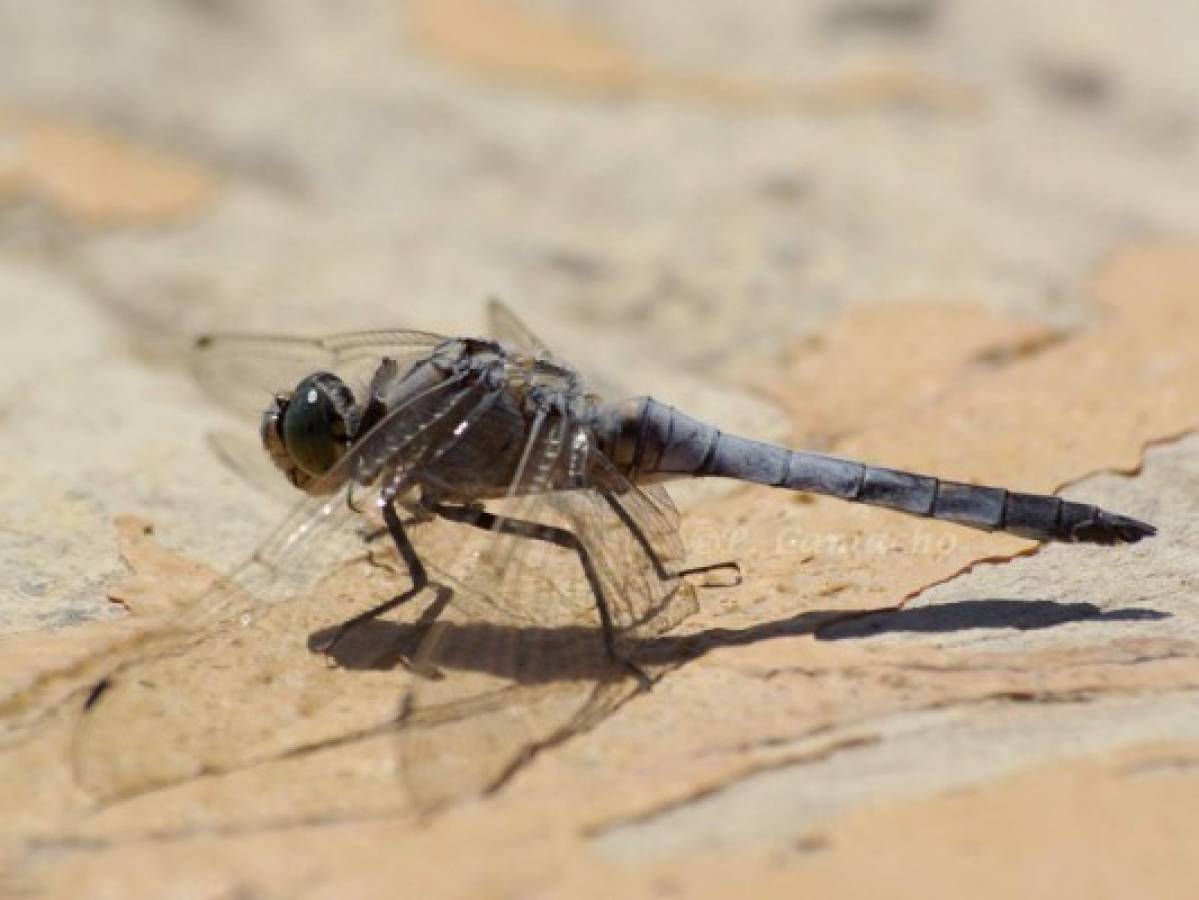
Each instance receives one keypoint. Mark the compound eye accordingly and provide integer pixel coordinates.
(316, 423)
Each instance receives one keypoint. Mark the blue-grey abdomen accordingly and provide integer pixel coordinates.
(650, 440)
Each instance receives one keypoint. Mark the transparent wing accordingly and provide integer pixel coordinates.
(242, 454)
(507, 327)
(242, 372)
(516, 661)
(633, 536)
(664, 509)
(169, 680)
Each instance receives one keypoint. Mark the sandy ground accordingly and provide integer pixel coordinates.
(953, 237)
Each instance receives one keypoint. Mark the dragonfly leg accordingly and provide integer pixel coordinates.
(661, 570)
(417, 515)
(416, 571)
(478, 517)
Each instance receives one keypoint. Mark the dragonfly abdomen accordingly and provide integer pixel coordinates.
(649, 439)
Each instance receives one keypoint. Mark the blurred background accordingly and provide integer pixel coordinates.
(700, 179)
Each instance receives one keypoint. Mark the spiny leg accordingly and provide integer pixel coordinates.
(478, 517)
(659, 568)
(416, 571)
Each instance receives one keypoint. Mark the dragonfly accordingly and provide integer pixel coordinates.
(527, 513)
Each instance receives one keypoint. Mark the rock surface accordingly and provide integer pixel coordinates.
(954, 238)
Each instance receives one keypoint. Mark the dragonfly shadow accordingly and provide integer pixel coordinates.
(968, 615)
(533, 655)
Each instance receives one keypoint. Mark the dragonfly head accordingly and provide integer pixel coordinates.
(306, 432)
